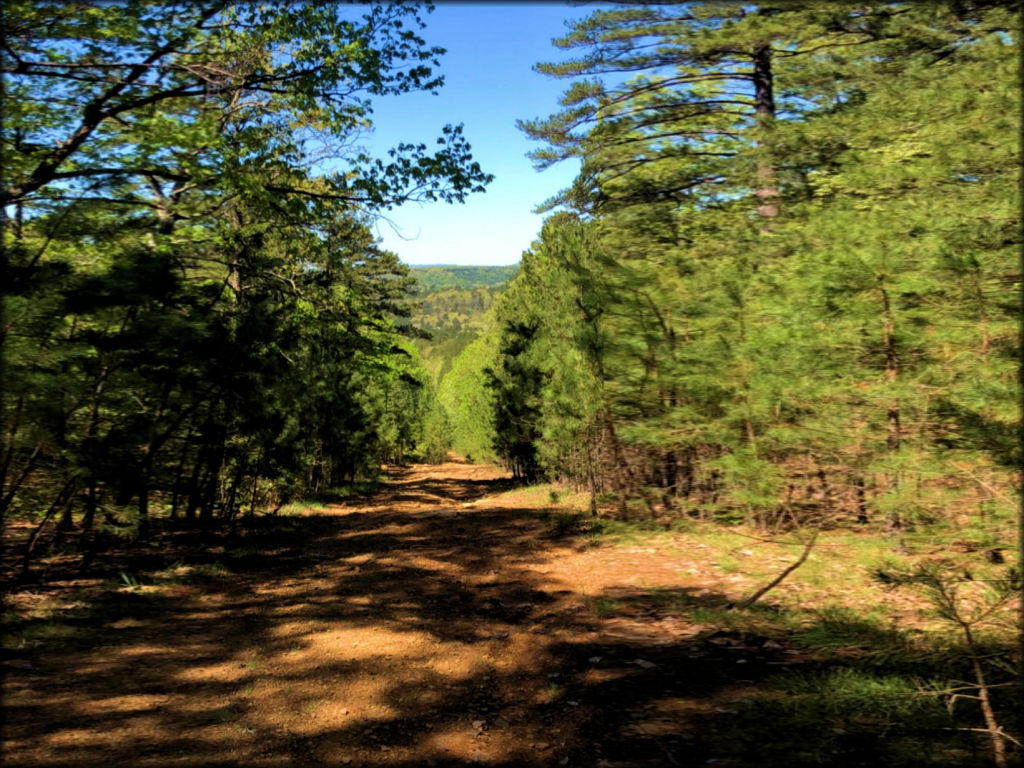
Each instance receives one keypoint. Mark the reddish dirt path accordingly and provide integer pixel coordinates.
(423, 625)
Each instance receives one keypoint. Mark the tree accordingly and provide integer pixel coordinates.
(779, 202)
(468, 402)
(136, 91)
(682, 100)
(196, 308)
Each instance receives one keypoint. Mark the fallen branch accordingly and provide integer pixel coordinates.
(778, 579)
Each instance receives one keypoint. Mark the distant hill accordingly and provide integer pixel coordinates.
(453, 302)
(439, 277)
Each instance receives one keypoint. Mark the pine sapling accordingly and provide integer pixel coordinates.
(968, 604)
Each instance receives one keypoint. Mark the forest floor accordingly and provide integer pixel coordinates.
(439, 620)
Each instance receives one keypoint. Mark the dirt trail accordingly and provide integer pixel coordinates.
(427, 624)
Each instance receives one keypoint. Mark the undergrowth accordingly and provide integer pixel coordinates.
(872, 675)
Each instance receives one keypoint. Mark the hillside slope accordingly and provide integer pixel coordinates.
(453, 302)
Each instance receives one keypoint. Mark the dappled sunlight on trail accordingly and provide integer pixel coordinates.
(437, 621)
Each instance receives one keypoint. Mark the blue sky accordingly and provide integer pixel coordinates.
(489, 84)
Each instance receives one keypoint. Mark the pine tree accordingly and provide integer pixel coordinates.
(780, 202)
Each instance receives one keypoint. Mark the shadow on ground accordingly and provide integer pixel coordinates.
(406, 629)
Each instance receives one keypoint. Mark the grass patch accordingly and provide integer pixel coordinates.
(604, 607)
(323, 500)
(299, 508)
(838, 626)
(180, 573)
(527, 495)
(214, 570)
(352, 490)
(870, 683)
(756, 620)
(841, 716)
(626, 532)
(547, 497)
(244, 550)
(130, 580)
(224, 715)
(729, 564)
(565, 523)
(176, 573)
(669, 599)
(44, 633)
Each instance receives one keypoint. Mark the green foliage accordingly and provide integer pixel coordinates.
(789, 290)
(450, 318)
(450, 314)
(604, 607)
(198, 319)
(840, 627)
(753, 483)
(843, 716)
(548, 350)
(432, 279)
(468, 403)
(435, 428)
(130, 581)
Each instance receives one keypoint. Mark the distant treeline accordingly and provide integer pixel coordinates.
(451, 310)
(435, 278)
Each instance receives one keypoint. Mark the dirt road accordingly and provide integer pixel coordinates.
(434, 623)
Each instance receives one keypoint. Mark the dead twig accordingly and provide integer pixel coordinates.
(808, 546)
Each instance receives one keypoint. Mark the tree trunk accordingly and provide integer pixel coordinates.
(236, 480)
(91, 504)
(827, 494)
(62, 498)
(766, 190)
(12, 490)
(178, 474)
(256, 483)
(145, 470)
(194, 483)
(893, 437)
(862, 499)
(66, 524)
(209, 492)
(90, 450)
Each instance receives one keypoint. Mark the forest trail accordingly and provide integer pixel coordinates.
(435, 622)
